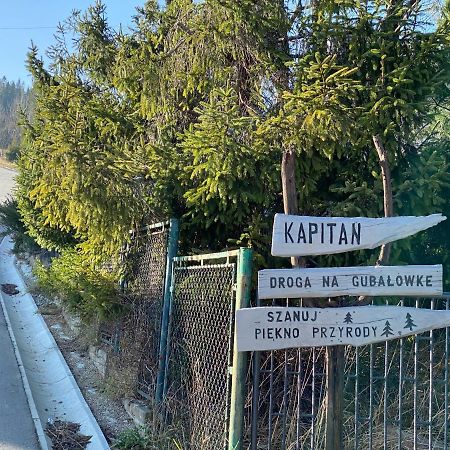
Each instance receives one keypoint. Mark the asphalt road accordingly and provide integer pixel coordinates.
(7, 183)
(17, 430)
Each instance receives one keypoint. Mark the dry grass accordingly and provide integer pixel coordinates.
(120, 381)
(391, 441)
(4, 163)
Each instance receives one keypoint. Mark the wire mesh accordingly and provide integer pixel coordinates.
(203, 299)
(144, 292)
(396, 393)
(108, 334)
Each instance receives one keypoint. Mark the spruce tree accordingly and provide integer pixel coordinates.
(192, 112)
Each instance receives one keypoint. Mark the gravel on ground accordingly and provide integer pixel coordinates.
(110, 413)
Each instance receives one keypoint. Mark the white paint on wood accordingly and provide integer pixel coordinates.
(337, 281)
(305, 235)
(272, 328)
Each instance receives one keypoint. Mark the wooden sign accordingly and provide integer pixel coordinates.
(304, 235)
(276, 328)
(337, 281)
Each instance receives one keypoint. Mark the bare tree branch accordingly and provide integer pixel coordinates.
(388, 203)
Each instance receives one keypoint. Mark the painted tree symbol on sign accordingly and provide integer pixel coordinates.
(348, 318)
(409, 322)
(387, 330)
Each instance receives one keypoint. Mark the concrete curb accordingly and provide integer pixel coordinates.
(26, 385)
(55, 391)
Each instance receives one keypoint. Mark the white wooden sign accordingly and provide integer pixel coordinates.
(337, 281)
(275, 328)
(305, 235)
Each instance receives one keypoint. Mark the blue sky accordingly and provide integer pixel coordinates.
(23, 21)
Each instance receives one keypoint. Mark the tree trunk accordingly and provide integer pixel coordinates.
(388, 203)
(290, 201)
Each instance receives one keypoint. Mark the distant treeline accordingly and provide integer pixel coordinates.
(15, 99)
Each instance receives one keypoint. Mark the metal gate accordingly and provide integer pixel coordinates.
(396, 393)
(198, 383)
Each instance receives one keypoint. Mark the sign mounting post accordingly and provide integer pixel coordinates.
(272, 328)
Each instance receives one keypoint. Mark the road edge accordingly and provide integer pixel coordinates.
(42, 439)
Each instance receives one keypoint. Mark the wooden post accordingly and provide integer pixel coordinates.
(288, 184)
(334, 398)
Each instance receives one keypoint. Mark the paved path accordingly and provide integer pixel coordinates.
(6, 183)
(17, 430)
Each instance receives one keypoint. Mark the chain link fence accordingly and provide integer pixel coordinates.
(144, 296)
(200, 350)
(133, 341)
(196, 340)
(144, 293)
(396, 393)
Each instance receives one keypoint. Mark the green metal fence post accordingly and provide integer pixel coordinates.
(172, 247)
(239, 369)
